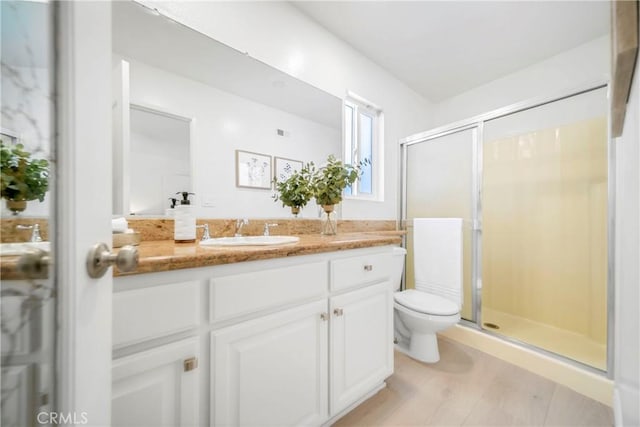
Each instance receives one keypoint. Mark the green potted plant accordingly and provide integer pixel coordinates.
(329, 183)
(295, 191)
(23, 177)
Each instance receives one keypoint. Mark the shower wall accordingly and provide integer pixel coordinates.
(544, 227)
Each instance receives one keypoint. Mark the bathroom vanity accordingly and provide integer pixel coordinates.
(272, 340)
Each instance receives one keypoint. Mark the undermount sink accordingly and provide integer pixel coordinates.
(250, 241)
(12, 249)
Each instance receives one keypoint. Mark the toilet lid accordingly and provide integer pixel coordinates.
(426, 303)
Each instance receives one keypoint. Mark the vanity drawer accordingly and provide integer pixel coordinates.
(359, 270)
(147, 313)
(241, 294)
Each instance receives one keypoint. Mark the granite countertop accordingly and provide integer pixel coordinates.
(165, 255)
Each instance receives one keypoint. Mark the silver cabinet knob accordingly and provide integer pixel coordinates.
(100, 258)
(368, 267)
(324, 317)
(338, 312)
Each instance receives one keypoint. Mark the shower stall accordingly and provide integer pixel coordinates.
(531, 182)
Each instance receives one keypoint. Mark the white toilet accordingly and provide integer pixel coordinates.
(435, 303)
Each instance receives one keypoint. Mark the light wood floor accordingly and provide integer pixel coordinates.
(468, 387)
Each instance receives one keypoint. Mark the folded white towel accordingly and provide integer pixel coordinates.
(119, 225)
(438, 261)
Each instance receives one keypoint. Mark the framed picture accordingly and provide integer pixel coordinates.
(285, 168)
(253, 170)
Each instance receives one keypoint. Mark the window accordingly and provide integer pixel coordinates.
(362, 140)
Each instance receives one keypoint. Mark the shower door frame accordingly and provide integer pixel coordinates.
(476, 124)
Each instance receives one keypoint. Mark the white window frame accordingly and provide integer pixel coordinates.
(361, 105)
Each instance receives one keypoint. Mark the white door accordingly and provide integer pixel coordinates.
(84, 209)
(157, 387)
(272, 371)
(361, 343)
(56, 105)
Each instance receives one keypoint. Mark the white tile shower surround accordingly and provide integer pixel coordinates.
(469, 387)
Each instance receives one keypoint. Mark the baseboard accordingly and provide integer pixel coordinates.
(625, 405)
(617, 408)
(587, 383)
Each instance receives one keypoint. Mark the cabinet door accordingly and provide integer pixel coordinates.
(158, 387)
(272, 371)
(361, 343)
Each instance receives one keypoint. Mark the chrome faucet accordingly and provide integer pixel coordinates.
(205, 234)
(35, 234)
(265, 230)
(239, 224)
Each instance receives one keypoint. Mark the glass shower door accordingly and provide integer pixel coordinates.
(439, 184)
(544, 237)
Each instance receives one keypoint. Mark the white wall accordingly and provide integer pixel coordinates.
(585, 64)
(222, 123)
(627, 301)
(281, 36)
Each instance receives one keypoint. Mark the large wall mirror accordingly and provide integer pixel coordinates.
(176, 89)
(27, 219)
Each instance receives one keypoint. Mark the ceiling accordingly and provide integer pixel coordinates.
(443, 48)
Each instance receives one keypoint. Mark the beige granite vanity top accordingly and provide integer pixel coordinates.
(165, 255)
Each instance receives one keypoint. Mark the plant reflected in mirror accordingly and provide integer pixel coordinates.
(23, 178)
(297, 190)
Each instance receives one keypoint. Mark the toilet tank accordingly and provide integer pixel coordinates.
(399, 255)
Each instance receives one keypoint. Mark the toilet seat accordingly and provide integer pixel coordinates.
(423, 302)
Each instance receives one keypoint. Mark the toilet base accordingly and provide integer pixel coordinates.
(422, 347)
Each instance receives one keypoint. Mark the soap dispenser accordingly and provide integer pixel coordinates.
(171, 210)
(185, 220)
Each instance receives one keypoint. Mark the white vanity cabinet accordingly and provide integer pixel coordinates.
(361, 343)
(157, 380)
(285, 341)
(157, 387)
(272, 371)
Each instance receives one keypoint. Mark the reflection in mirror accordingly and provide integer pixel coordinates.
(27, 301)
(235, 103)
(160, 162)
(26, 129)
